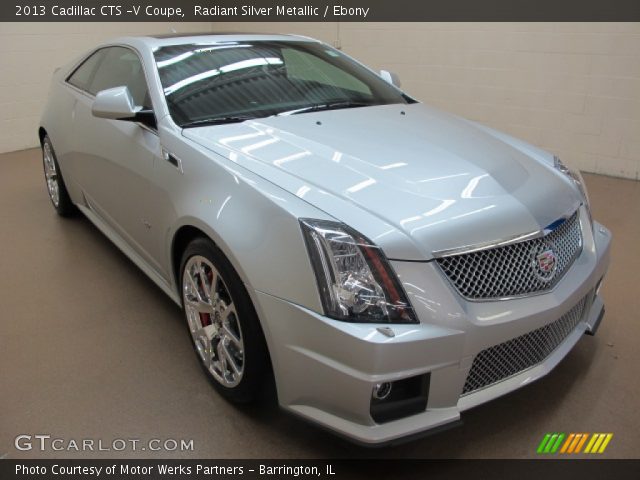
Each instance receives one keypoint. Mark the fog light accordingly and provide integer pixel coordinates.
(382, 390)
(402, 398)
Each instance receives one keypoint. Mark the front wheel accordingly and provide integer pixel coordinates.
(224, 327)
(56, 187)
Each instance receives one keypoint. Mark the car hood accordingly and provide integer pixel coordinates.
(402, 174)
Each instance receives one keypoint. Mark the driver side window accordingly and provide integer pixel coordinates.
(121, 66)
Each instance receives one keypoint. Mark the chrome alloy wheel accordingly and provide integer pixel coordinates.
(213, 321)
(51, 174)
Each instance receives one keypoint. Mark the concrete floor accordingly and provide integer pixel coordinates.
(90, 348)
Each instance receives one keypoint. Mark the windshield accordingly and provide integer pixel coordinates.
(228, 82)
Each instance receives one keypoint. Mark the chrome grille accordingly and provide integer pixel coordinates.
(511, 270)
(502, 361)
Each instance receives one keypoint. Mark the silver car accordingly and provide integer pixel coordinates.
(389, 265)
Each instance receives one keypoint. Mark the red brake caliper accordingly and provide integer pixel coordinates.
(205, 318)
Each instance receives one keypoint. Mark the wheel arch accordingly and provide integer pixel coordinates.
(182, 237)
(41, 134)
(185, 234)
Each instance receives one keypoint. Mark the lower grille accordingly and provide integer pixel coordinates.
(502, 361)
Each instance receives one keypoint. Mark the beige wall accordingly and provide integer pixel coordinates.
(572, 88)
(30, 52)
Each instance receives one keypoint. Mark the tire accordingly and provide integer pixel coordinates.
(56, 187)
(223, 324)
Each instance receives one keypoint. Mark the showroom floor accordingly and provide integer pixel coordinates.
(90, 348)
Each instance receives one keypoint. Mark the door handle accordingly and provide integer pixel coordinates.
(172, 159)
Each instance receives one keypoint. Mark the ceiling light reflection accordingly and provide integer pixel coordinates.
(359, 186)
(253, 62)
(393, 165)
(471, 186)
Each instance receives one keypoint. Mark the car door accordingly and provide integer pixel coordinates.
(114, 158)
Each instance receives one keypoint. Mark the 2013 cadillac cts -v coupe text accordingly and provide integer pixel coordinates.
(392, 265)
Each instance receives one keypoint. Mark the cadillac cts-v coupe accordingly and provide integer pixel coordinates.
(388, 264)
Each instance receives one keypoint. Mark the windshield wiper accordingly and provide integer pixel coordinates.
(327, 106)
(215, 121)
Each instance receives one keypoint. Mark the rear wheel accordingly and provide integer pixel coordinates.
(223, 324)
(55, 184)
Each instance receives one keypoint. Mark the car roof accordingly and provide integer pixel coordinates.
(196, 34)
(162, 40)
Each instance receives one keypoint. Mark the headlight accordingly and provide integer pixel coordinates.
(576, 176)
(355, 279)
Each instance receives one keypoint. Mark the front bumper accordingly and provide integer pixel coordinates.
(326, 370)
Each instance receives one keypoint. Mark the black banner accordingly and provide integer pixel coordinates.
(401, 469)
(319, 10)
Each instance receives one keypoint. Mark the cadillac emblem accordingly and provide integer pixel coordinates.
(544, 262)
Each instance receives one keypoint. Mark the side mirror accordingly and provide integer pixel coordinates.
(114, 103)
(117, 104)
(390, 77)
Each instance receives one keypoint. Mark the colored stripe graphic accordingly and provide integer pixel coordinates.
(581, 442)
(567, 443)
(598, 442)
(573, 442)
(543, 443)
(596, 446)
(555, 447)
(550, 443)
(606, 442)
(591, 442)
